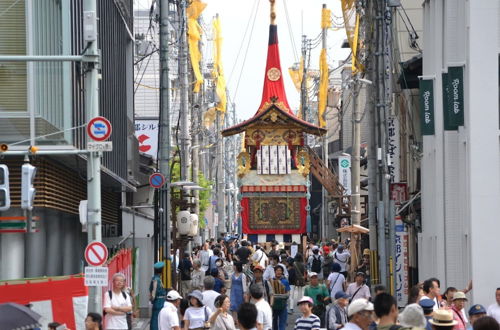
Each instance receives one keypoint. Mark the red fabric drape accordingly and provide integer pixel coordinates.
(245, 219)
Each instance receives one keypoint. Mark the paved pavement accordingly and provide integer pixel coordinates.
(143, 324)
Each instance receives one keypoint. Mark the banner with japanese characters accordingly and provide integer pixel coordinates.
(401, 262)
(146, 131)
(394, 148)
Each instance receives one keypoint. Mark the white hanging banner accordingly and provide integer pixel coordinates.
(401, 262)
(146, 132)
(345, 173)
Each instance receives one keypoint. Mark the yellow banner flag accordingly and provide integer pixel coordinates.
(218, 71)
(326, 18)
(323, 87)
(194, 32)
(351, 25)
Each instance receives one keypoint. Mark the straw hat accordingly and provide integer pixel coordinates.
(443, 317)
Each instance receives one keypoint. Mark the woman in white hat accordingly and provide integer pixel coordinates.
(197, 315)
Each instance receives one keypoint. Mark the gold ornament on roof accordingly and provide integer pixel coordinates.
(273, 74)
(303, 162)
(243, 163)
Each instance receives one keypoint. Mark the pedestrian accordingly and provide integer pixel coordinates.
(364, 265)
(258, 279)
(156, 294)
(213, 260)
(264, 310)
(475, 312)
(259, 257)
(358, 289)
(197, 276)
(386, 310)
(273, 262)
(360, 313)
(204, 256)
(442, 319)
(486, 323)
(428, 308)
(301, 276)
(336, 281)
(221, 319)
(415, 294)
(281, 290)
(432, 291)
(168, 319)
(219, 285)
(379, 289)
(247, 316)
(243, 253)
(336, 315)
(197, 315)
(209, 294)
(239, 287)
(308, 321)
(341, 256)
(494, 309)
(413, 317)
(117, 304)
(459, 300)
(292, 280)
(447, 297)
(185, 268)
(315, 263)
(93, 321)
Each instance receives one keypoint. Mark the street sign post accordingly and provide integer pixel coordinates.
(96, 253)
(99, 129)
(96, 276)
(156, 180)
(100, 146)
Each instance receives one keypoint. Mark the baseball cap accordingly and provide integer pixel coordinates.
(477, 309)
(159, 265)
(342, 294)
(173, 295)
(305, 299)
(359, 305)
(258, 267)
(311, 274)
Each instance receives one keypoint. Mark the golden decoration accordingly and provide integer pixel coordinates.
(274, 117)
(243, 163)
(273, 74)
(303, 162)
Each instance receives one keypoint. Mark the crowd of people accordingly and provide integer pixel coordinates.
(229, 285)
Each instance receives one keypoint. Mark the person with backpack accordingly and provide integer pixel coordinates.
(185, 267)
(315, 263)
(117, 304)
(327, 260)
(342, 256)
(336, 315)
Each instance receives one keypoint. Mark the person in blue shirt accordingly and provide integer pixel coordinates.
(281, 289)
(219, 283)
(428, 307)
(157, 294)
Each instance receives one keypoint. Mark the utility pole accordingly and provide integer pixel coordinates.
(184, 100)
(164, 132)
(221, 201)
(324, 204)
(91, 83)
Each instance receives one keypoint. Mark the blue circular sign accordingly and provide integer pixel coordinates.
(156, 180)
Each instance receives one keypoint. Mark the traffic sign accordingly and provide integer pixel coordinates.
(100, 146)
(156, 180)
(96, 253)
(96, 276)
(99, 129)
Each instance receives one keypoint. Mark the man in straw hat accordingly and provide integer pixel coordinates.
(442, 319)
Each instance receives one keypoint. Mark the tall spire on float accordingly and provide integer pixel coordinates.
(274, 89)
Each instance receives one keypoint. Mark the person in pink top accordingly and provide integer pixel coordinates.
(459, 300)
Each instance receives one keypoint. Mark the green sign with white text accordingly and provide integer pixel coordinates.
(453, 98)
(427, 106)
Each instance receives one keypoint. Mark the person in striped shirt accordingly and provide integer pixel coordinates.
(308, 321)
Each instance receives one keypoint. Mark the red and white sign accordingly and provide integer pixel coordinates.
(99, 129)
(96, 254)
(146, 131)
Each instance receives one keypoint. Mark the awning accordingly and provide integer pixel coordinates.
(411, 70)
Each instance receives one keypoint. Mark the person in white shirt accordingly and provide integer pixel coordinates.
(360, 313)
(209, 295)
(204, 255)
(264, 310)
(358, 289)
(197, 315)
(259, 256)
(117, 304)
(221, 319)
(336, 281)
(269, 271)
(341, 256)
(168, 319)
(494, 309)
(432, 291)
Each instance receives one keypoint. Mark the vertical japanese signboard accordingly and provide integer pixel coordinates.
(146, 132)
(393, 147)
(401, 262)
(427, 106)
(345, 173)
(453, 98)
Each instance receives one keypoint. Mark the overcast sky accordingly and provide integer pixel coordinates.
(305, 18)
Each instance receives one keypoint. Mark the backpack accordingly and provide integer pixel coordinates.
(316, 264)
(128, 315)
(327, 264)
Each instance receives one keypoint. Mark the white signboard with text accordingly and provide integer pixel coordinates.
(146, 132)
(345, 173)
(401, 262)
